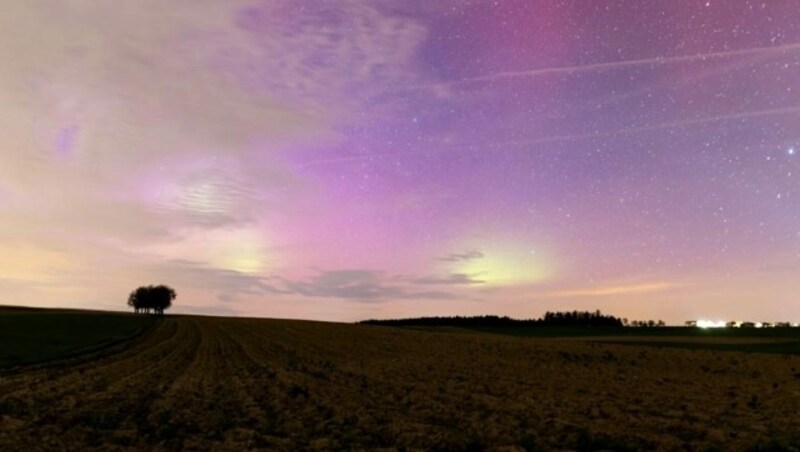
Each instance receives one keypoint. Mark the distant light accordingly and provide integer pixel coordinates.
(711, 323)
(791, 151)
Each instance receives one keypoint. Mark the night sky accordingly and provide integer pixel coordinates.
(343, 160)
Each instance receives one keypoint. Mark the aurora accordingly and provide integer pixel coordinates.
(386, 159)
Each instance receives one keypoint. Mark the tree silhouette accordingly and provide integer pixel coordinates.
(151, 298)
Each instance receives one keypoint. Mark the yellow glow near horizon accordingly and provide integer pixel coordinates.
(506, 265)
(241, 250)
(614, 290)
(242, 257)
(30, 263)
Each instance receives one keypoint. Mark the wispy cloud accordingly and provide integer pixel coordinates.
(337, 54)
(227, 283)
(459, 279)
(460, 257)
(356, 285)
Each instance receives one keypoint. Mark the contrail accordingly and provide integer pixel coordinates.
(559, 138)
(627, 63)
(662, 126)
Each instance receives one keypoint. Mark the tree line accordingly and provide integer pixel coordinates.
(644, 323)
(151, 299)
(575, 319)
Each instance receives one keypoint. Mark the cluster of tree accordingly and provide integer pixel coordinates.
(155, 299)
(644, 323)
(581, 319)
(550, 319)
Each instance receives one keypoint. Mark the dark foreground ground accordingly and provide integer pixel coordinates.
(204, 383)
(30, 335)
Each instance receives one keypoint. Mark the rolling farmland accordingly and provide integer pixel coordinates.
(204, 382)
(29, 335)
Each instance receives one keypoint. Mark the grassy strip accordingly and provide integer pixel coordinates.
(776, 333)
(780, 347)
(765, 340)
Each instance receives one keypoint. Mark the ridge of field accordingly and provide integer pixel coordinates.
(667, 331)
(230, 383)
(752, 340)
(31, 335)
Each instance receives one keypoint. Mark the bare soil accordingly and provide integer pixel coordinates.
(222, 383)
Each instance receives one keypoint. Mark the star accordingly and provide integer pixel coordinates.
(401, 134)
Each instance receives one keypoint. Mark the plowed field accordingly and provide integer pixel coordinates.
(195, 382)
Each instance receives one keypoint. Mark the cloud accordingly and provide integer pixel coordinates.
(124, 271)
(119, 128)
(160, 117)
(131, 81)
(147, 143)
(452, 279)
(456, 257)
(97, 275)
(208, 197)
(340, 53)
(356, 285)
(229, 284)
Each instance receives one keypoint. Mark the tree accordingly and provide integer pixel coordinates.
(155, 298)
(162, 298)
(139, 299)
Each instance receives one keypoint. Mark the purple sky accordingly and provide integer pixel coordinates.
(354, 159)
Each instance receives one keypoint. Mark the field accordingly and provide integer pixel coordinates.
(225, 383)
(756, 340)
(41, 335)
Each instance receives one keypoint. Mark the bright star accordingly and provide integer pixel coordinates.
(791, 151)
